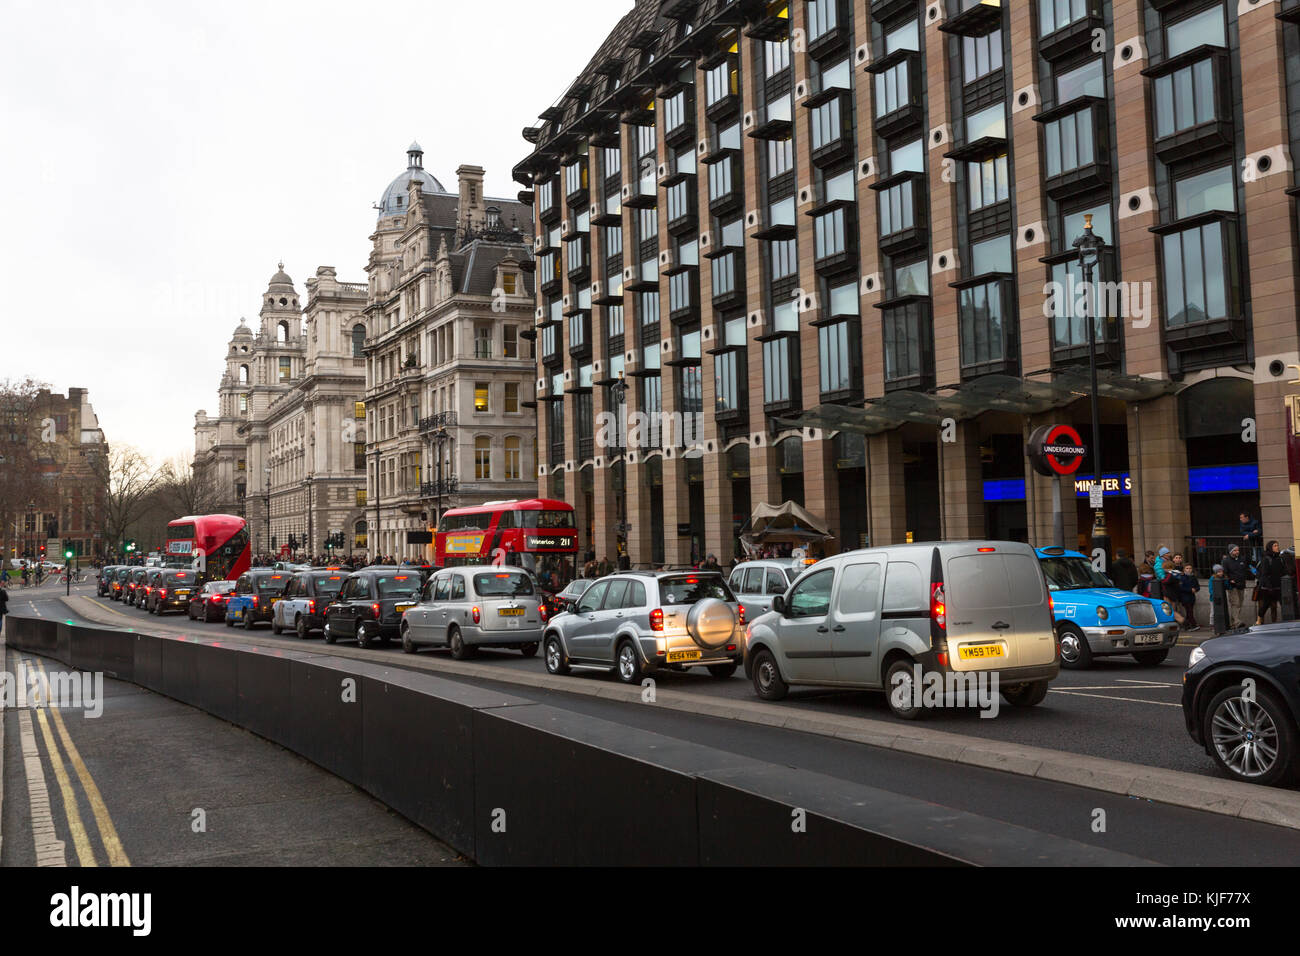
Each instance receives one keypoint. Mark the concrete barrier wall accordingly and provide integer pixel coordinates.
(507, 781)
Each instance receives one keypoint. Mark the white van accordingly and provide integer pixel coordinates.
(880, 618)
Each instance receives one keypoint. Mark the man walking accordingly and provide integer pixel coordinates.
(1123, 571)
(1236, 570)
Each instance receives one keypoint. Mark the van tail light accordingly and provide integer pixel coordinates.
(477, 614)
(939, 608)
(657, 619)
(742, 613)
(541, 610)
(938, 603)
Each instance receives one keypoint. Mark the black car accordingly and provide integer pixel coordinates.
(209, 603)
(1241, 698)
(172, 590)
(134, 590)
(371, 603)
(105, 582)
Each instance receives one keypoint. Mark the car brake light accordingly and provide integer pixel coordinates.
(938, 608)
(162, 593)
(987, 550)
(657, 619)
(254, 600)
(742, 613)
(477, 613)
(541, 609)
(311, 607)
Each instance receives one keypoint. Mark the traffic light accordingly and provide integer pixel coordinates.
(42, 551)
(67, 550)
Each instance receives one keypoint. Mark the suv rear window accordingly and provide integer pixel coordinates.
(690, 588)
(503, 584)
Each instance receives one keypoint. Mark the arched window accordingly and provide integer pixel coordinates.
(358, 341)
(514, 465)
(243, 375)
(283, 332)
(482, 458)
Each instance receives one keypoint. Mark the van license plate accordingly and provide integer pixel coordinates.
(675, 657)
(403, 607)
(510, 611)
(976, 652)
(1148, 638)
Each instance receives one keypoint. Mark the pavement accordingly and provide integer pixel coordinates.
(1086, 711)
(153, 782)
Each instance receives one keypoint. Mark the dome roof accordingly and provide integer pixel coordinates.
(393, 202)
(280, 282)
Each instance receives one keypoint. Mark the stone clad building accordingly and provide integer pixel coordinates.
(283, 450)
(449, 361)
(843, 232)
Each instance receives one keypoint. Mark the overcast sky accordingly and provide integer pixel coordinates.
(160, 158)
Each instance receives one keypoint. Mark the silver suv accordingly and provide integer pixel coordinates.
(635, 622)
(757, 582)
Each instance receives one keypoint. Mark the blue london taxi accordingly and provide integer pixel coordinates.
(1095, 618)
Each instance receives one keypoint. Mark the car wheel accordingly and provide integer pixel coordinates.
(1026, 695)
(247, 620)
(329, 635)
(627, 664)
(229, 622)
(556, 662)
(459, 649)
(901, 691)
(276, 628)
(300, 628)
(1075, 652)
(1151, 658)
(768, 683)
(407, 646)
(1253, 740)
(722, 671)
(363, 634)
(528, 650)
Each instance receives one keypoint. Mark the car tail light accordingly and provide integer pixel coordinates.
(938, 608)
(311, 607)
(254, 600)
(162, 593)
(375, 608)
(938, 602)
(742, 613)
(657, 619)
(541, 609)
(477, 613)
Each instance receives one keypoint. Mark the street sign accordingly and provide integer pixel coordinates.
(1056, 450)
(1096, 496)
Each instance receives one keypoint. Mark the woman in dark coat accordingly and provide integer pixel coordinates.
(1269, 577)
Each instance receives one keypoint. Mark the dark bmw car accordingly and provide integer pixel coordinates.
(1241, 698)
(371, 603)
(172, 590)
(209, 604)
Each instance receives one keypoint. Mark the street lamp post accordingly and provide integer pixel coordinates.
(266, 504)
(1090, 246)
(310, 539)
(619, 391)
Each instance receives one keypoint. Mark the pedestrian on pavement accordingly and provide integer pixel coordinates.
(1146, 579)
(1219, 599)
(604, 567)
(1237, 571)
(711, 563)
(1270, 583)
(1252, 535)
(1162, 569)
(4, 603)
(1123, 572)
(1188, 586)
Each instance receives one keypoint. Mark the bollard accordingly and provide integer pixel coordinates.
(1288, 602)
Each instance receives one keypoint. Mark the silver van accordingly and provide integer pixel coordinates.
(476, 606)
(880, 618)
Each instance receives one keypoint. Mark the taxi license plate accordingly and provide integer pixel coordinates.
(182, 593)
(404, 607)
(976, 652)
(1148, 638)
(510, 611)
(676, 657)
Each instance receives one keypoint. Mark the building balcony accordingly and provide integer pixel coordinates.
(1061, 39)
(444, 488)
(437, 421)
(1192, 103)
(1076, 146)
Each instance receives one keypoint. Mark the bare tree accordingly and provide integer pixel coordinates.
(187, 491)
(29, 458)
(130, 484)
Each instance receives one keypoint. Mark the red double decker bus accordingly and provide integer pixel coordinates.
(221, 541)
(537, 534)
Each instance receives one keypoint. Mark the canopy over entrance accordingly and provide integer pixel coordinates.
(787, 523)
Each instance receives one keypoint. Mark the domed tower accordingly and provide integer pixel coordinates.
(280, 344)
(238, 378)
(393, 208)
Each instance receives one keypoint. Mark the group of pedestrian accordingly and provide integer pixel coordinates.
(30, 576)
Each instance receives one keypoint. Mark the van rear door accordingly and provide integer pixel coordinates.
(981, 621)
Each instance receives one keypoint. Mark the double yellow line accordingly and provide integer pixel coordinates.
(103, 821)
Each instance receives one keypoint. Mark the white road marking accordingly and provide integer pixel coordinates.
(49, 849)
(1158, 683)
(1113, 687)
(1129, 700)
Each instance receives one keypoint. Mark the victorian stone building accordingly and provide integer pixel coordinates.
(284, 450)
(448, 357)
(835, 228)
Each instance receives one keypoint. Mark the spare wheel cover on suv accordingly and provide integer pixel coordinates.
(711, 623)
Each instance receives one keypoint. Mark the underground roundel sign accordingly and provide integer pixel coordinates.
(1056, 450)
